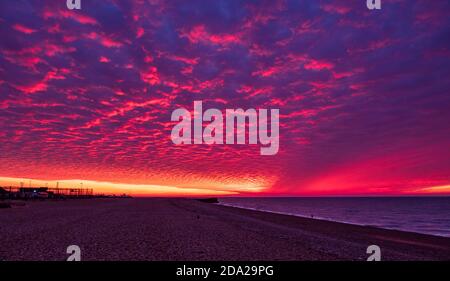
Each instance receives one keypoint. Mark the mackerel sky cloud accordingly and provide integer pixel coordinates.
(363, 95)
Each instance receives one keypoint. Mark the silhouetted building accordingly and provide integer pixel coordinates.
(33, 192)
(4, 193)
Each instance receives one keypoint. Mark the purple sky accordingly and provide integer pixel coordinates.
(363, 95)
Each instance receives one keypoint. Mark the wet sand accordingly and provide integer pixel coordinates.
(184, 229)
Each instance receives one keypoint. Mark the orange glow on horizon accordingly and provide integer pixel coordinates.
(441, 189)
(214, 189)
(103, 187)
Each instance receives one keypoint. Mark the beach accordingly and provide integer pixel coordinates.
(185, 229)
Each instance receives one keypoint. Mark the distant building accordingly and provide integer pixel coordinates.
(33, 192)
(3, 193)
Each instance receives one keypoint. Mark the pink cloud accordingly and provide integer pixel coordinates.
(318, 65)
(66, 14)
(23, 29)
(200, 34)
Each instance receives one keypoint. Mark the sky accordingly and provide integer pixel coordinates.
(87, 95)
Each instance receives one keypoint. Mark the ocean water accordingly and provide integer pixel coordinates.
(429, 215)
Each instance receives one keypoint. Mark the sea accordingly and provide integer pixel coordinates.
(429, 215)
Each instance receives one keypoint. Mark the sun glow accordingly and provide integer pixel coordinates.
(434, 189)
(103, 187)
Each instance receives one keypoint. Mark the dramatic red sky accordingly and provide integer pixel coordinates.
(86, 96)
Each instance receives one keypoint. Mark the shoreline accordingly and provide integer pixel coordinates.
(184, 229)
(330, 220)
(344, 224)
